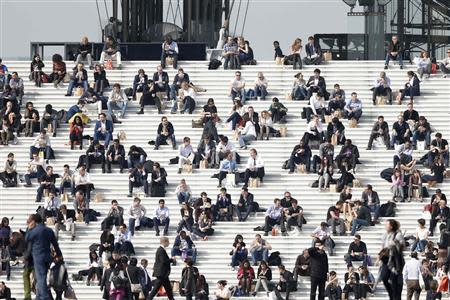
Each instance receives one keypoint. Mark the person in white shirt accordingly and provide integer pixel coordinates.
(42, 143)
(51, 205)
(186, 154)
(237, 87)
(169, 49)
(223, 148)
(266, 125)
(183, 192)
(274, 216)
(161, 218)
(411, 273)
(247, 134)
(423, 64)
(94, 267)
(314, 131)
(65, 221)
(137, 218)
(444, 65)
(186, 99)
(317, 106)
(36, 168)
(382, 87)
(82, 182)
(323, 234)
(421, 237)
(122, 242)
(117, 101)
(222, 292)
(254, 168)
(261, 86)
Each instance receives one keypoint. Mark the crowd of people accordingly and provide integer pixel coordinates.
(112, 262)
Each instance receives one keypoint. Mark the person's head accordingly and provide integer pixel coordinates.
(318, 243)
(258, 237)
(84, 40)
(102, 117)
(10, 156)
(238, 239)
(168, 39)
(337, 87)
(237, 74)
(311, 40)
(164, 120)
(34, 220)
(229, 156)
(277, 202)
(245, 264)
(186, 141)
(287, 195)
(80, 66)
(253, 153)
(434, 285)
(316, 72)
(410, 74)
(224, 140)
(221, 284)
(392, 225)
(438, 136)
(223, 191)
(380, 119)
(382, 74)
(144, 263)
(159, 68)
(294, 203)
(354, 96)
(56, 58)
(156, 166)
(49, 170)
(281, 268)
(115, 255)
(81, 103)
(244, 191)
(109, 40)
(36, 57)
(323, 225)
(349, 268)
(276, 44)
(5, 222)
(305, 253)
(123, 228)
(442, 203)
(43, 133)
(161, 203)
(210, 102)
(357, 239)
(183, 234)
(394, 39)
(369, 188)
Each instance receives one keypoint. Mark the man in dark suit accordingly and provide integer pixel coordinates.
(300, 155)
(159, 182)
(161, 270)
(95, 154)
(379, 129)
(161, 81)
(145, 279)
(165, 131)
(103, 129)
(316, 83)
(252, 116)
(115, 155)
(136, 155)
(349, 154)
(41, 239)
(442, 213)
(245, 205)
(286, 283)
(370, 199)
(318, 269)
(138, 178)
(65, 221)
(313, 52)
(223, 208)
(140, 82)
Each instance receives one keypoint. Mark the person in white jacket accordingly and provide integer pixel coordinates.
(117, 101)
(254, 168)
(247, 134)
(423, 64)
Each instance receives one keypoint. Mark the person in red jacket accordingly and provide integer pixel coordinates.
(245, 274)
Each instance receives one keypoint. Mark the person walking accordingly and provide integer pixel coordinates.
(161, 270)
(318, 269)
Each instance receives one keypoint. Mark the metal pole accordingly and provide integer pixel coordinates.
(400, 19)
(133, 20)
(115, 8)
(125, 20)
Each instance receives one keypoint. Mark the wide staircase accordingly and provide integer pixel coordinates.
(213, 255)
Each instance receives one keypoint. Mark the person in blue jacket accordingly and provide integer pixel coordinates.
(41, 239)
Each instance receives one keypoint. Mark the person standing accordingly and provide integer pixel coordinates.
(318, 270)
(41, 238)
(161, 270)
(411, 277)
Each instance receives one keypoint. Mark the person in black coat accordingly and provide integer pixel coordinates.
(165, 131)
(301, 154)
(159, 182)
(412, 87)
(133, 272)
(136, 155)
(161, 270)
(100, 81)
(318, 266)
(115, 155)
(349, 154)
(144, 278)
(95, 154)
(441, 213)
(138, 178)
(286, 283)
(161, 81)
(313, 52)
(79, 78)
(379, 129)
(5, 292)
(106, 242)
(105, 283)
(316, 84)
(206, 150)
(140, 82)
(395, 52)
(245, 205)
(336, 128)
(36, 67)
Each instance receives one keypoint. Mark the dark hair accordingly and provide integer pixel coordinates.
(161, 201)
(421, 222)
(57, 58)
(133, 261)
(276, 43)
(116, 85)
(317, 71)
(36, 218)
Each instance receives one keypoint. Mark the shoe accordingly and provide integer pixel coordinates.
(129, 195)
(141, 112)
(369, 148)
(121, 171)
(266, 234)
(385, 67)
(179, 171)
(156, 148)
(157, 234)
(73, 238)
(174, 147)
(401, 67)
(67, 95)
(109, 171)
(291, 172)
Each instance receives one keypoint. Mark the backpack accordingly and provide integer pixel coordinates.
(274, 259)
(387, 210)
(118, 281)
(214, 64)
